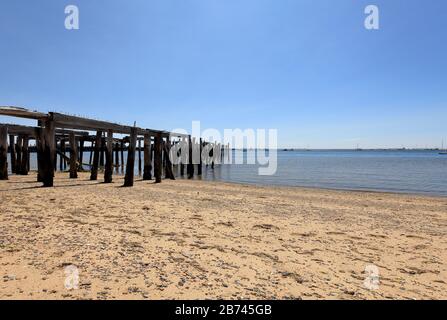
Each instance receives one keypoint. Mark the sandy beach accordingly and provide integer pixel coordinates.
(209, 240)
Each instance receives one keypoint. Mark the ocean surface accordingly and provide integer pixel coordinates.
(403, 171)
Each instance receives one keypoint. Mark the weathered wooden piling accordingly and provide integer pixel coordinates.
(62, 152)
(39, 149)
(18, 154)
(48, 152)
(190, 167)
(102, 152)
(157, 158)
(13, 153)
(168, 169)
(81, 154)
(108, 171)
(199, 169)
(128, 179)
(90, 160)
(55, 154)
(122, 155)
(94, 168)
(139, 157)
(147, 174)
(25, 154)
(3, 153)
(212, 155)
(117, 155)
(183, 156)
(65, 155)
(73, 157)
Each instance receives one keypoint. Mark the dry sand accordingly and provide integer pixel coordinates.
(192, 239)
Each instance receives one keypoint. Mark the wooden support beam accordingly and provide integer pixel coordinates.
(102, 152)
(117, 156)
(79, 123)
(213, 154)
(22, 113)
(190, 168)
(15, 129)
(65, 155)
(25, 154)
(18, 148)
(168, 169)
(122, 155)
(81, 154)
(49, 149)
(90, 160)
(157, 158)
(199, 169)
(128, 179)
(39, 149)
(108, 171)
(73, 157)
(3, 153)
(163, 156)
(55, 154)
(139, 158)
(183, 154)
(62, 152)
(12, 149)
(147, 175)
(94, 168)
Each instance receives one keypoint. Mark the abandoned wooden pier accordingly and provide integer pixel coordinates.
(56, 134)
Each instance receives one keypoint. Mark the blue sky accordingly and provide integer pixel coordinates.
(307, 68)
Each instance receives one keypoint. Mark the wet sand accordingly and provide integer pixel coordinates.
(209, 240)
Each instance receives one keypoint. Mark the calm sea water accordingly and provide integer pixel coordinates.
(421, 172)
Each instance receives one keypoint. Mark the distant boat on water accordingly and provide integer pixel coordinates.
(443, 151)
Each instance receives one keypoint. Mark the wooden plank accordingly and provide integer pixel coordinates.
(94, 168)
(49, 150)
(73, 157)
(3, 153)
(108, 171)
(129, 177)
(157, 158)
(22, 113)
(15, 129)
(147, 175)
(78, 123)
(73, 122)
(12, 150)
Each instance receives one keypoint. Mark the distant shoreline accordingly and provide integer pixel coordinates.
(32, 148)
